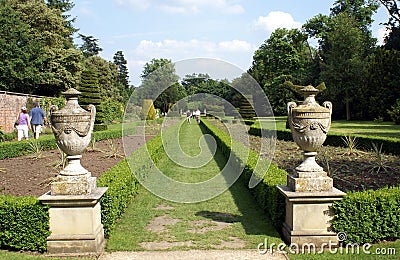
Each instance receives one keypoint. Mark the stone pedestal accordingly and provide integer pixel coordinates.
(308, 216)
(75, 223)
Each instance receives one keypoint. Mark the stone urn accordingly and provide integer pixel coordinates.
(309, 124)
(72, 127)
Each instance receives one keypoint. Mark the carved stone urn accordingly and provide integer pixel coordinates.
(309, 124)
(72, 127)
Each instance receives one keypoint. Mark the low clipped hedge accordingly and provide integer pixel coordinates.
(369, 216)
(24, 223)
(389, 145)
(122, 183)
(48, 142)
(266, 192)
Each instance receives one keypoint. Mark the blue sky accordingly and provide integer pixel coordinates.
(228, 30)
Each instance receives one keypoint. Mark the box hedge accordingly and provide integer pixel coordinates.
(24, 223)
(15, 149)
(369, 216)
(266, 192)
(389, 145)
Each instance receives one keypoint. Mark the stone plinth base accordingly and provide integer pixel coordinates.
(308, 217)
(309, 184)
(75, 223)
(82, 184)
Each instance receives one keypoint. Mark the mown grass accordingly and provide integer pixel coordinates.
(25, 256)
(391, 250)
(235, 206)
(369, 128)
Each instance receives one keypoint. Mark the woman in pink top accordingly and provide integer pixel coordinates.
(23, 124)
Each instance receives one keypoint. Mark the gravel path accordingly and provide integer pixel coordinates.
(192, 254)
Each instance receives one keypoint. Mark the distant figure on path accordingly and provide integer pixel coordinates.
(197, 113)
(23, 124)
(38, 118)
(188, 115)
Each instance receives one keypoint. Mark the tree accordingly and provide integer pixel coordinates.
(90, 46)
(65, 6)
(343, 67)
(284, 55)
(160, 83)
(123, 75)
(35, 55)
(392, 40)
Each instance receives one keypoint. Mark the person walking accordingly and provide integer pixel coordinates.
(188, 115)
(23, 124)
(38, 118)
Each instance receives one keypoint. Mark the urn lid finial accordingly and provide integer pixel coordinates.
(309, 90)
(71, 93)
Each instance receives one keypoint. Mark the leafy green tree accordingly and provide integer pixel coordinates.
(90, 46)
(383, 83)
(343, 68)
(285, 55)
(123, 76)
(159, 83)
(65, 6)
(392, 40)
(35, 54)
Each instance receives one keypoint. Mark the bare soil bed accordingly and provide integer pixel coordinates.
(355, 171)
(31, 175)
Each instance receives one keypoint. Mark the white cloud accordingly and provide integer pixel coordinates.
(172, 9)
(182, 6)
(177, 50)
(276, 19)
(381, 35)
(138, 5)
(234, 9)
(236, 46)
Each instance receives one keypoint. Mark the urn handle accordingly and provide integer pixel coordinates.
(328, 105)
(290, 107)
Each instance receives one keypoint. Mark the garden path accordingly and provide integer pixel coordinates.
(230, 225)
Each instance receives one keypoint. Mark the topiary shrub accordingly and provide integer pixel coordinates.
(395, 112)
(246, 107)
(90, 94)
(148, 110)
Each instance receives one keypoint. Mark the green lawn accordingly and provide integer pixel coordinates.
(370, 128)
(235, 208)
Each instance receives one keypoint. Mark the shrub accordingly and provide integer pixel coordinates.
(369, 216)
(266, 193)
(148, 110)
(389, 145)
(15, 149)
(89, 87)
(113, 110)
(395, 112)
(246, 107)
(122, 185)
(24, 223)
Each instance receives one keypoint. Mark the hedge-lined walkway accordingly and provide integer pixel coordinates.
(232, 220)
